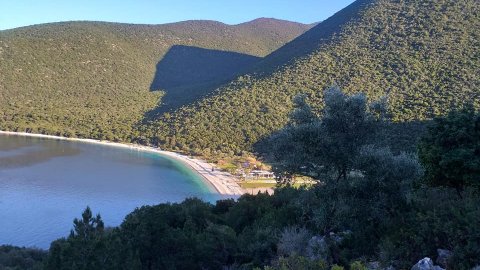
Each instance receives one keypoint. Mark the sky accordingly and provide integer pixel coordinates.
(17, 13)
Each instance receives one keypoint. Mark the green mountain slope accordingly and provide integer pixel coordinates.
(97, 80)
(311, 40)
(424, 55)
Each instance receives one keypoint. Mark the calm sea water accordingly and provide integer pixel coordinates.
(45, 184)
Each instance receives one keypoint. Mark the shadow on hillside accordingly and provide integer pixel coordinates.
(186, 74)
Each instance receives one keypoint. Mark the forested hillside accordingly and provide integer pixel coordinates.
(99, 80)
(423, 55)
(96, 80)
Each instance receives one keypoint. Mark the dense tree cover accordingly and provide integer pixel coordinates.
(15, 258)
(450, 151)
(380, 210)
(92, 79)
(422, 55)
(249, 233)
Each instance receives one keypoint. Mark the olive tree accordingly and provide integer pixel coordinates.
(325, 146)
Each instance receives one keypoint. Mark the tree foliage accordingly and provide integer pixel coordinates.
(85, 247)
(16, 258)
(327, 145)
(450, 150)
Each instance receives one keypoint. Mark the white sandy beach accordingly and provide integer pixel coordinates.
(223, 182)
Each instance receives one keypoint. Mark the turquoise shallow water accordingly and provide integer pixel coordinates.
(45, 184)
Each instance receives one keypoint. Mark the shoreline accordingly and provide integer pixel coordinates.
(223, 182)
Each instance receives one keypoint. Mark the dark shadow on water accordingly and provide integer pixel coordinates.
(34, 157)
(187, 73)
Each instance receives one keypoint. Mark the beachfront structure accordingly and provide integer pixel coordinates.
(260, 174)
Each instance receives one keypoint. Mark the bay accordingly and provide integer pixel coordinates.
(46, 183)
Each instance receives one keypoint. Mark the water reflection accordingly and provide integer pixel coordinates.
(28, 156)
